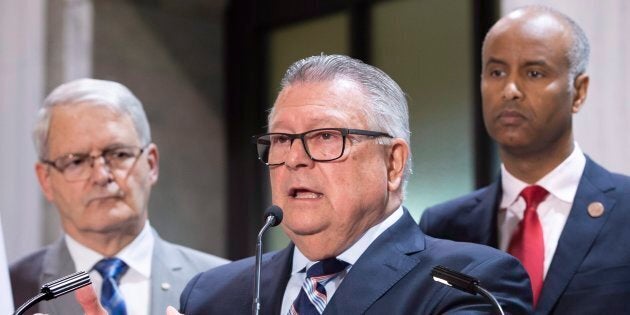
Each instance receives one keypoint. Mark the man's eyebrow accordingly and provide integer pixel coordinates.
(112, 146)
(535, 63)
(116, 145)
(538, 62)
(332, 121)
(493, 60)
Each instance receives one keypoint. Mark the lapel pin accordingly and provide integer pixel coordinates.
(595, 209)
(165, 286)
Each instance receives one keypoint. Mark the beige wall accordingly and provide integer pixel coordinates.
(171, 58)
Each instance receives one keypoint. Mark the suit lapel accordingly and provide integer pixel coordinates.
(166, 276)
(380, 267)
(485, 213)
(276, 271)
(56, 264)
(578, 235)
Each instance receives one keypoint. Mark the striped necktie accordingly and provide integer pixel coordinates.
(112, 269)
(312, 298)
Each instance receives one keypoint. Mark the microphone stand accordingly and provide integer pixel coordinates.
(56, 288)
(273, 217)
(268, 223)
(466, 283)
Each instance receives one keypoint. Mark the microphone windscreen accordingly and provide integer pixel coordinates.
(69, 283)
(276, 212)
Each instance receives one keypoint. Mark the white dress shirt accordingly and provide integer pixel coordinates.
(561, 183)
(135, 283)
(350, 255)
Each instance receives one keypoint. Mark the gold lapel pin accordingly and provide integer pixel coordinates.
(595, 209)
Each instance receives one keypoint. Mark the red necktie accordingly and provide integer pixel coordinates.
(527, 243)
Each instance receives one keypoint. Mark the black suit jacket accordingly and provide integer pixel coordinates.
(391, 277)
(590, 270)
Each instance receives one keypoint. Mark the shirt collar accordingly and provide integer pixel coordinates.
(562, 182)
(137, 254)
(352, 254)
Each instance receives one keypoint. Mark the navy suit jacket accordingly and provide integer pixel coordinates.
(590, 270)
(393, 276)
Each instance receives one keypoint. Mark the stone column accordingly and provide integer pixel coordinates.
(22, 26)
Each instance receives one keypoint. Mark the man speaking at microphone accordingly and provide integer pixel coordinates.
(338, 155)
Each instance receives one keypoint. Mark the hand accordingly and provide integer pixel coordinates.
(89, 302)
(172, 311)
(90, 305)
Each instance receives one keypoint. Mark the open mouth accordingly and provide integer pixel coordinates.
(302, 193)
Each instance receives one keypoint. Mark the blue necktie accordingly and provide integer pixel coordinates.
(111, 269)
(312, 298)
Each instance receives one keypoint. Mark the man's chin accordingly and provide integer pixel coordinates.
(113, 229)
(302, 230)
(107, 220)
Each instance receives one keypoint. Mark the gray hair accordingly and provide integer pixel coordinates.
(95, 92)
(579, 51)
(386, 110)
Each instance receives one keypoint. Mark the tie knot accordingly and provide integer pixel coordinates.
(111, 268)
(534, 195)
(331, 266)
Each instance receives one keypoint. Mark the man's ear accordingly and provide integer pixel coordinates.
(153, 159)
(581, 90)
(398, 154)
(43, 177)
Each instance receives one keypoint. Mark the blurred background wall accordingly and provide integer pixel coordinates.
(207, 71)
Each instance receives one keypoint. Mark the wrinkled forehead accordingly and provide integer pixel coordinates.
(87, 114)
(337, 103)
(87, 124)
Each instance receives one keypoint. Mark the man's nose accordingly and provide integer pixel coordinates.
(101, 171)
(297, 155)
(512, 91)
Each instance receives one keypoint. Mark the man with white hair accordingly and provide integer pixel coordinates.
(97, 166)
(338, 154)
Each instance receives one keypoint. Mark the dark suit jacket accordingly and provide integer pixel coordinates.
(393, 276)
(590, 271)
(171, 264)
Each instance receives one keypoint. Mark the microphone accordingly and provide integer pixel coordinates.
(466, 283)
(56, 288)
(273, 217)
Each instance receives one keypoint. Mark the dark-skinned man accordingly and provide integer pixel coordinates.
(560, 213)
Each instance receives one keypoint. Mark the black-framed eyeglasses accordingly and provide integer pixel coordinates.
(78, 166)
(321, 145)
